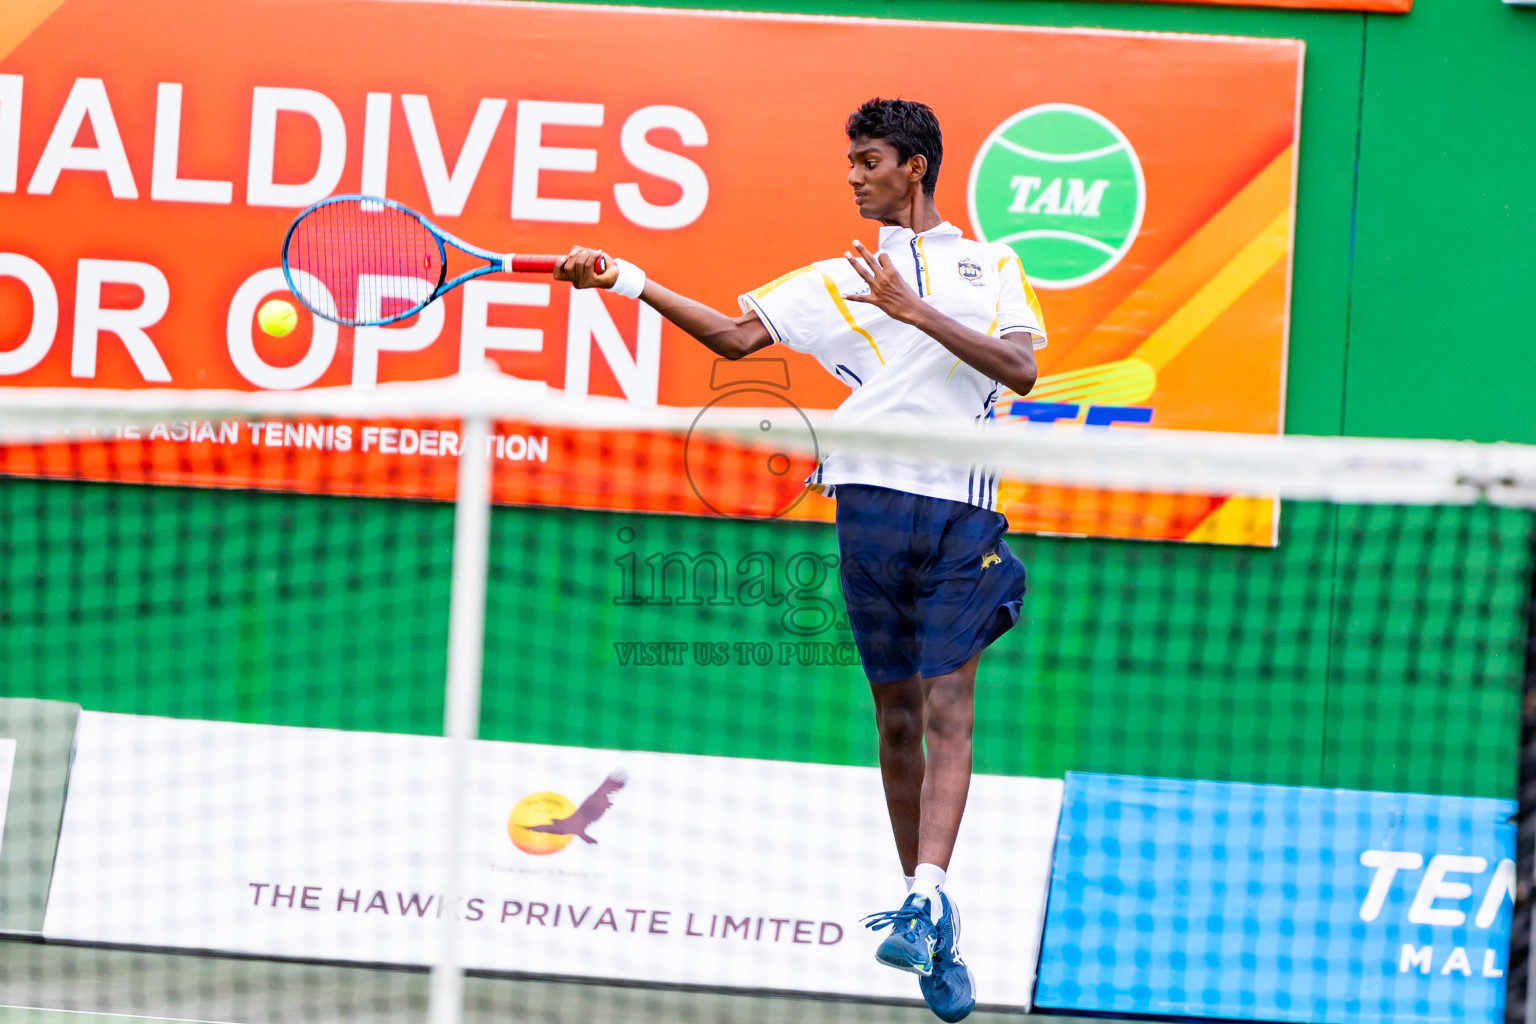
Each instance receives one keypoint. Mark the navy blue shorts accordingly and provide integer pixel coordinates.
(929, 582)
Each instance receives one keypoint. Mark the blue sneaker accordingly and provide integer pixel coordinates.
(913, 936)
(950, 991)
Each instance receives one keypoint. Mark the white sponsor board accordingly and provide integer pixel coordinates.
(712, 871)
(7, 766)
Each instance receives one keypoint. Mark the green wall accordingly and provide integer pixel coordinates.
(1375, 648)
(1442, 329)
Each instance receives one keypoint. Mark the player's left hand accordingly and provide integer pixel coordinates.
(886, 287)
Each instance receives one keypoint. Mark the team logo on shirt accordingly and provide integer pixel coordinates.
(990, 558)
(970, 270)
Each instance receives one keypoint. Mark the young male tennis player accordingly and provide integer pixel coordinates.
(933, 324)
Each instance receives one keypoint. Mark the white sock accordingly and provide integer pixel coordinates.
(909, 879)
(928, 881)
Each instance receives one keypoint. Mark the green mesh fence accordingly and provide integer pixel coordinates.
(1376, 647)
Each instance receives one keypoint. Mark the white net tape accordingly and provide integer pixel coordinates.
(1337, 469)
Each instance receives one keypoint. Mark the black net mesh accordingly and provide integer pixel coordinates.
(703, 668)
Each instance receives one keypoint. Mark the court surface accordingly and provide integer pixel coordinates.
(50, 984)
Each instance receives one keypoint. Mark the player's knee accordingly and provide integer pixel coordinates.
(899, 727)
(949, 721)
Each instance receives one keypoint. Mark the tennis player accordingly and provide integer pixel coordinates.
(931, 324)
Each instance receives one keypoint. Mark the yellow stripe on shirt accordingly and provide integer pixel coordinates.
(771, 285)
(842, 307)
(990, 328)
(1029, 293)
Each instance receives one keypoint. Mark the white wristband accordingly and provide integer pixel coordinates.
(630, 282)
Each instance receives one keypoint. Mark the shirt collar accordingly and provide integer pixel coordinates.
(892, 236)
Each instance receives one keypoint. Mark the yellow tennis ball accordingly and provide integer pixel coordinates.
(277, 317)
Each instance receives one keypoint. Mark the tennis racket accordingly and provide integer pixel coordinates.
(362, 261)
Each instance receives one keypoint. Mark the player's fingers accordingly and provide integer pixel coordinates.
(859, 297)
(585, 260)
(578, 266)
(609, 272)
(592, 262)
(868, 258)
(878, 261)
(858, 267)
(569, 268)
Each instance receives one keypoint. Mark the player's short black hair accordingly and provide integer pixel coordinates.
(910, 127)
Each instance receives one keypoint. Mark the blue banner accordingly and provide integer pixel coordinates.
(1279, 903)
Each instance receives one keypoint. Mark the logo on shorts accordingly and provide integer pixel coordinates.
(545, 823)
(990, 558)
(1063, 188)
(970, 270)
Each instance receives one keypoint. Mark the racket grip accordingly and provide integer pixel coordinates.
(522, 263)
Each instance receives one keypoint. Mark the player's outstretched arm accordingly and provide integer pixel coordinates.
(730, 337)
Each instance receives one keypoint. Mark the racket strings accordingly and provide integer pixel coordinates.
(359, 261)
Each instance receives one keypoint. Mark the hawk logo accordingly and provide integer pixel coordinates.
(545, 823)
(990, 558)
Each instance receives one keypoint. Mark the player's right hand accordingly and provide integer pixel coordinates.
(579, 268)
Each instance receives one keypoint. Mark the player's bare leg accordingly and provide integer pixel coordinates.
(925, 795)
(949, 715)
(899, 720)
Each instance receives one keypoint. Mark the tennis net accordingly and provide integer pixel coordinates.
(316, 701)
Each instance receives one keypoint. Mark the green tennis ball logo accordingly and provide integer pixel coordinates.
(1062, 187)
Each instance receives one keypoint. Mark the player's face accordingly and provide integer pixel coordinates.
(881, 183)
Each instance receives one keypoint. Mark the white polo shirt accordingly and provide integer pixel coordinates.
(894, 369)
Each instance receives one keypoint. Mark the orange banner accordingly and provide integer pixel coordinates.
(152, 155)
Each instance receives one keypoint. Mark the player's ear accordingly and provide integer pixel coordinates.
(917, 166)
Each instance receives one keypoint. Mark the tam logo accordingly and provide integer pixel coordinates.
(1061, 186)
(1433, 888)
(1081, 199)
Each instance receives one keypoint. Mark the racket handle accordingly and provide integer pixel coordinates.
(525, 263)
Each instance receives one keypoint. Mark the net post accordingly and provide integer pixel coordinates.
(461, 710)
(1519, 993)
